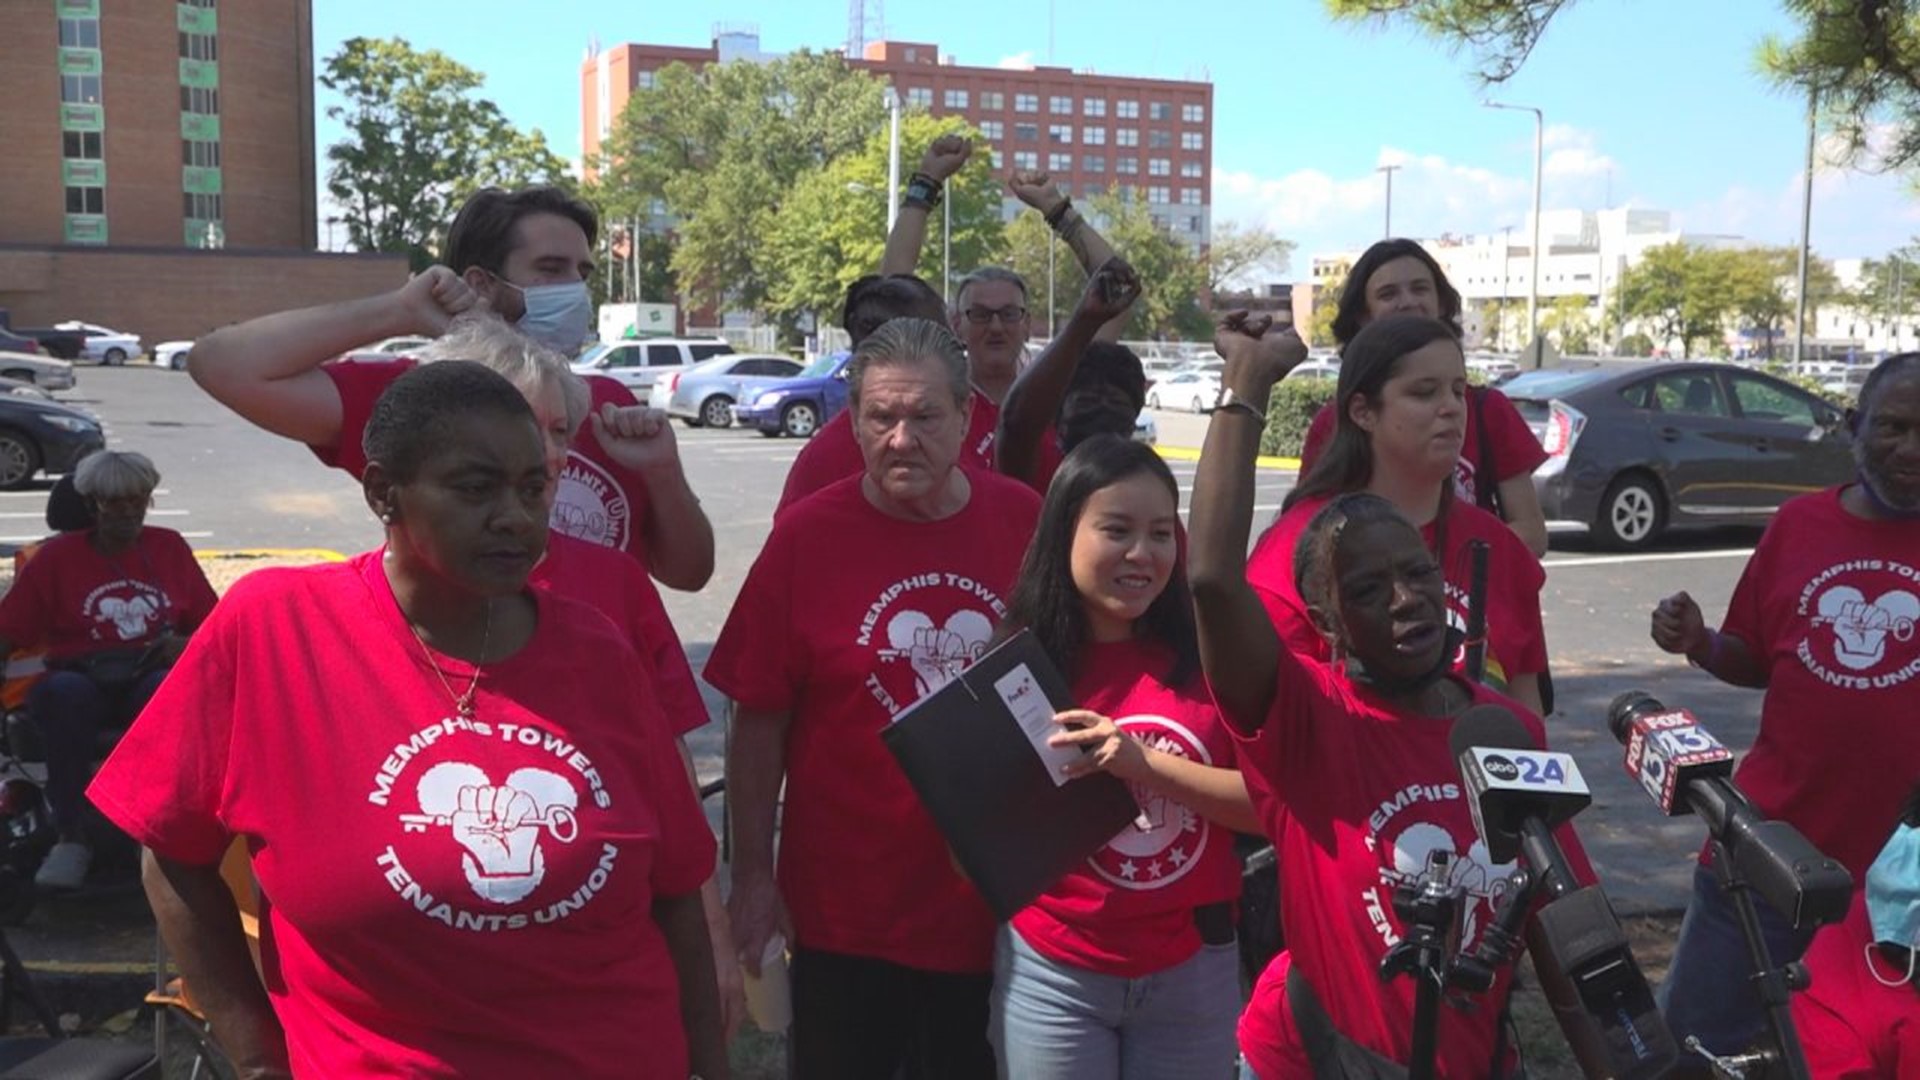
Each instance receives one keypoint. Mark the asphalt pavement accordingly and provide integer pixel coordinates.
(228, 486)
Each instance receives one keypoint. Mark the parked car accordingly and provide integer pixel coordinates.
(704, 395)
(102, 344)
(801, 405)
(1316, 369)
(1634, 447)
(1145, 428)
(18, 388)
(15, 343)
(1495, 368)
(1847, 383)
(42, 371)
(172, 355)
(636, 363)
(43, 436)
(393, 348)
(59, 344)
(1192, 390)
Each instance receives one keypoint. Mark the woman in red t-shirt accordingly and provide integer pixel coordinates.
(1349, 765)
(1103, 590)
(478, 851)
(1495, 470)
(112, 605)
(1404, 387)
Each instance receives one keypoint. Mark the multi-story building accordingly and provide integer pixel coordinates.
(1150, 138)
(137, 134)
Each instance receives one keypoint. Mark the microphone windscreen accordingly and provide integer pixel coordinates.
(1488, 726)
(1621, 711)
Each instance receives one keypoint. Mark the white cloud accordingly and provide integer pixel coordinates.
(1020, 61)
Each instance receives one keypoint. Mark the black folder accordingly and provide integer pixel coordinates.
(1013, 829)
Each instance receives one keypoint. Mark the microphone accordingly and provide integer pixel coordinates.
(1587, 971)
(1684, 768)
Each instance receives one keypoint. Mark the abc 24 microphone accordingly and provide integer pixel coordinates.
(1601, 1001)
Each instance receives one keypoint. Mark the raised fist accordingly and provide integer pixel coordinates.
(945, 156)
(1036, 189)
(434, 296)
(1677, 625)
(1111, 290)
(1252, 355)
(500, 829)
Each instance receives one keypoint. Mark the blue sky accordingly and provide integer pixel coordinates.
(1648, 102)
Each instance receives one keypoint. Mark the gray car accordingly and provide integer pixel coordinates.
(1636, 446)
(704, 395)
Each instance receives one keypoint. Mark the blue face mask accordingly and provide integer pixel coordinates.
(1893, 899)
(556, 316)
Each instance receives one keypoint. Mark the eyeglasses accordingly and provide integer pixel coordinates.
(1007, 315)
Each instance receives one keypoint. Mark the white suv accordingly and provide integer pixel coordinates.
(637, 362)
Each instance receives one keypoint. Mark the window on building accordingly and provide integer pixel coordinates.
(1093, 136)
(645, 80)
(955, 99)
(1026, 103)
(1193, 114)
(1159, 220)
(1026, 133)
(1157, 195)
(920, 97)
(1159, 110)
(1193, 223)
(1127, 110)
(1189, 196)
(1026, 159)
(80, 145)
(1127, 192)
(1060, 106)
(1159, 167)
(1190, 169)
(993, 129)
(1192, 140)
(1127, 137)
(206, 155)
(80, 33)
(992, 99)
(80, 89)
(1159, 140)
(86, 200)
(1060, 133)
(1093, 163)
(999, 159)
(199, 47)
(1093, 106)
(197, 99)
(1127, 166)
(1060, 163)
(202, 207)
(208, 4)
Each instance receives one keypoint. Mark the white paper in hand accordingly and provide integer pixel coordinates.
(1034, 713)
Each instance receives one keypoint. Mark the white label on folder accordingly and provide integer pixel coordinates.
(1034, 713)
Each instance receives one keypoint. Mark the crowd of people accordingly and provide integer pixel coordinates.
(457, 763)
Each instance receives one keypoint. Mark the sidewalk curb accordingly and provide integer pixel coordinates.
(315, 554)
(1183, 453)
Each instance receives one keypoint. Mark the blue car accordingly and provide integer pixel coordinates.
(801, 405)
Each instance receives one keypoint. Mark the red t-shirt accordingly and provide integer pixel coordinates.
(847, 617)
(833, 453)
(1828, 605)
(618, 587)
(1516, 638)
(1852, 1026)
(1355, 795)
(1128, 911)
(1515, 451)
(72, 600)
(597, 499)
(406, 934)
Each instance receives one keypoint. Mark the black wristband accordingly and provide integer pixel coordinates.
(1059, 214)
(922, 190)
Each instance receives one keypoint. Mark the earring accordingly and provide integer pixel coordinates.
(386, 517)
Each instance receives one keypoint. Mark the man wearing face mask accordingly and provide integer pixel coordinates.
(525, 256)
(1860, 1018)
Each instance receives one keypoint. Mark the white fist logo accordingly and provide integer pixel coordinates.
(1860, 628)
(500, 826)
(938, 654)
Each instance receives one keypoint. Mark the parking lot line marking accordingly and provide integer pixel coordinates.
(1184, 453)
(36, 514)
(1656, 556)
(36, 537)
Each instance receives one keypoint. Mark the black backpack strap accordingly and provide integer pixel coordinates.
(1333, 1055)
(1486, 470)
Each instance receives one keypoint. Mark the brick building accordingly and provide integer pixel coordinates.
(1152, 138)
(174, 142)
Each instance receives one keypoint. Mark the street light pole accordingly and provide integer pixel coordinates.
(1389, 171)
(946, 239)
(1806, 224)
(1534, 253)
(893, 157)
(1506, 271)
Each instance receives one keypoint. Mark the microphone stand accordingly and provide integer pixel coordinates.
(1782, 1056)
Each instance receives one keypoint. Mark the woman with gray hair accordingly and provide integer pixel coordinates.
(112, 606)
(869, 594)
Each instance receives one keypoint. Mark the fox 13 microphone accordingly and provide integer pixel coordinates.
(1519, 794)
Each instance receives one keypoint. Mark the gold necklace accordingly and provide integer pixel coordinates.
(462, 703)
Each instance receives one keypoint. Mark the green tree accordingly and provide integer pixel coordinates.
(1682, 293)
(1171, 306)
(1861, 56)
(1889, 290)
(1027, 242)
(1764, 283)
(1326, 304)
(1240, 254)
(419, 141)
(1570, 320)
(832, 227)
(724, 146)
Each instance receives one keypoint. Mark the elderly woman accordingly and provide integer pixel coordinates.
(458, 792)
(869, 594)
(111, 605)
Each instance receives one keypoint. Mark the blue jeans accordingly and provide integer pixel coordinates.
(71, 712)
(1053, 1021)
(1708, 990)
